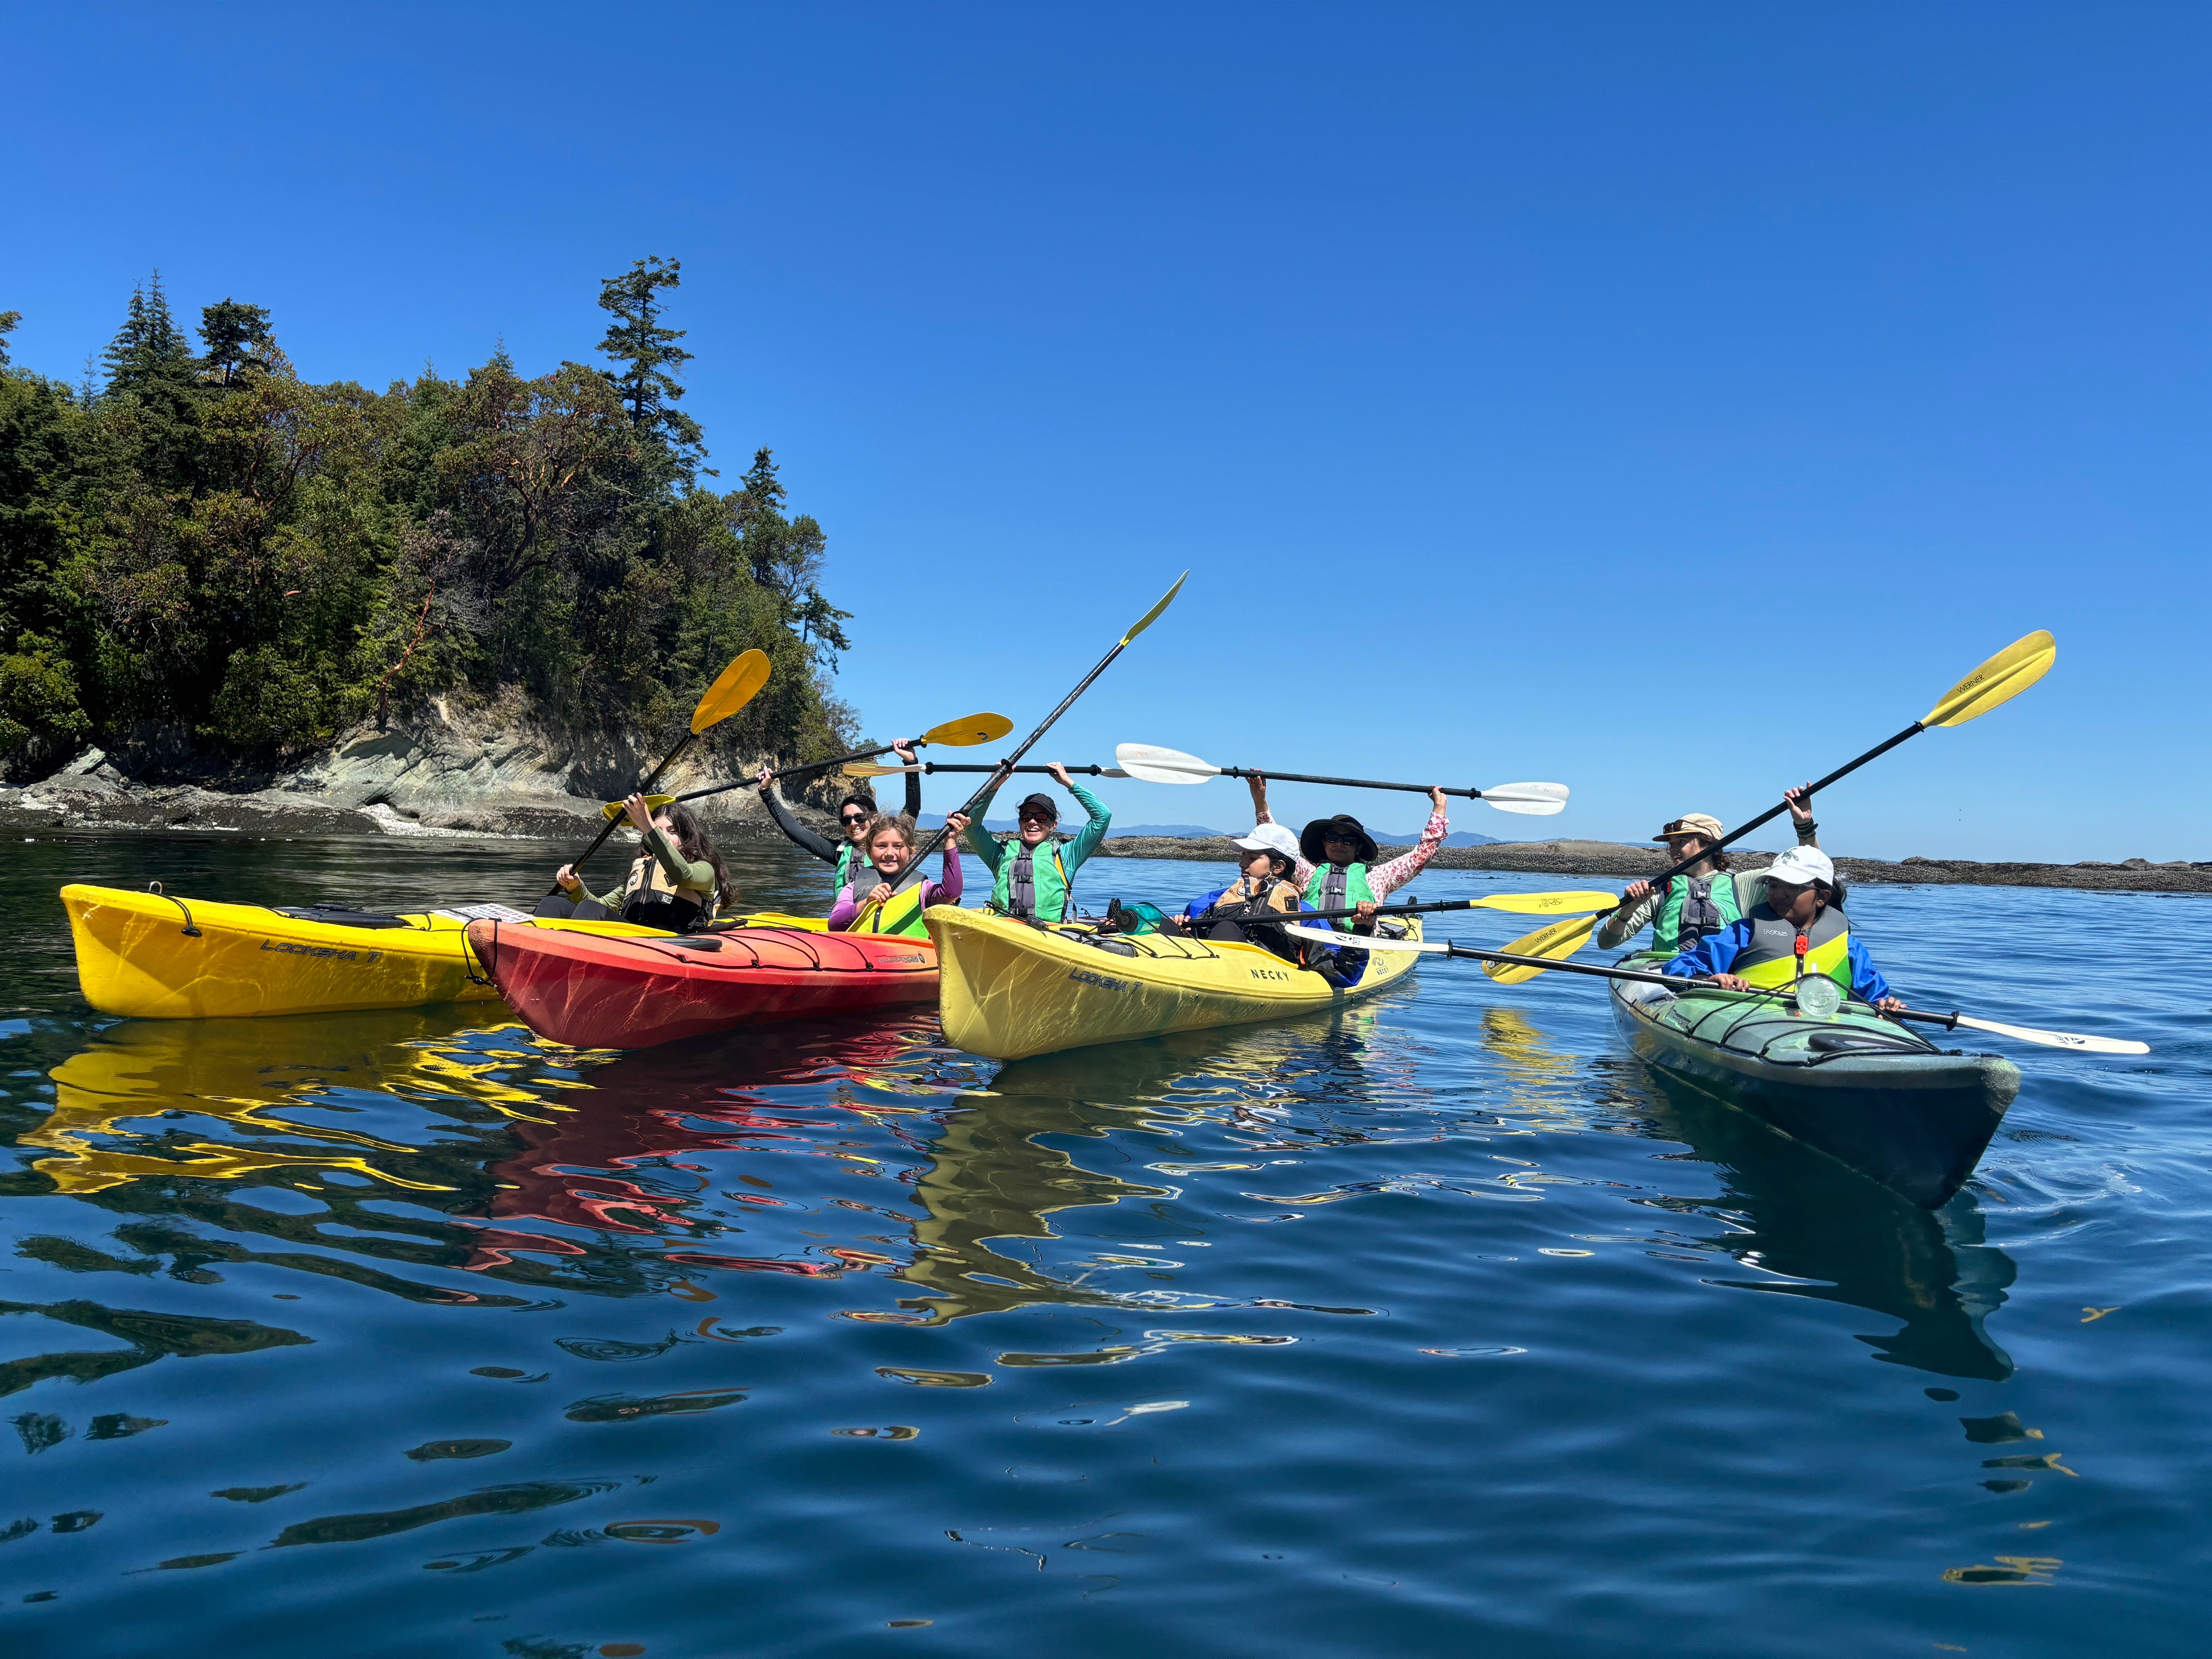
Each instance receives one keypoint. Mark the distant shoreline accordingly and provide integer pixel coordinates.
(1626, 863)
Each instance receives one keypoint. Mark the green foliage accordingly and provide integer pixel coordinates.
(212, 543)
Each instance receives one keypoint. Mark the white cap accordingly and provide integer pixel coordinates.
(1802, 866)
(1270, 837)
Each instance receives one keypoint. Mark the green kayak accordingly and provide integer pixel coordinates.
(1865, 1091)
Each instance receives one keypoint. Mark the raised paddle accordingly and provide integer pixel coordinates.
(867, 770)
(736, 686)
(1523, 904)
(1066, 703)
(1153, 764)
(1997, 681)
(953, 734)
(2079, 1043)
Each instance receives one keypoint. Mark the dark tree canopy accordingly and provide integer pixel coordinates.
(212, 544)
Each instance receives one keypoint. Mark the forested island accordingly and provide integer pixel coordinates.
(213, 570)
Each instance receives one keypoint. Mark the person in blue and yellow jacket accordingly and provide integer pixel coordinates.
(1033, 878)
(1797, 930)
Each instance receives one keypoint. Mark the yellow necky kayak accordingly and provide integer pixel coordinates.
(153, 956)
(1010, 990)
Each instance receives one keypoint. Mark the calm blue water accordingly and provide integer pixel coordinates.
(1434, 1328)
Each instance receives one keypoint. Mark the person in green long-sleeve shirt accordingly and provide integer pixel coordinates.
(676, 881)
(1033, 876)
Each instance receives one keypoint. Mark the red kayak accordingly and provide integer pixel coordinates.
(594, 992)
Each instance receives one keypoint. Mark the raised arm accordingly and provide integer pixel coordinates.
(1386, 877)
(825, 850)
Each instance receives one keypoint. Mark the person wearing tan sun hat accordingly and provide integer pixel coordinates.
(1696, 904)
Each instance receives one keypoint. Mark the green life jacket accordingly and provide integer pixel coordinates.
(846, 854)
(1339, 887)
(1770, 960)
(900, 914)
(1710, 904)
(1028, 886)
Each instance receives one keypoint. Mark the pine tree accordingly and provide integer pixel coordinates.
(149, 352)
(650, 357)
(9, 322)
(238, 341)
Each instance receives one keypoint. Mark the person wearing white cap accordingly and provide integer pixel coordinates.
(1262, 889)
(1797, 931)
(1695, 904)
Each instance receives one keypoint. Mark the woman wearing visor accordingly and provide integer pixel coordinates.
(1033, 878)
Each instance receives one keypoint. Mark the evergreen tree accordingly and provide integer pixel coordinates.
(650, 357)
(239, 343)
(149, 353)
(10, 321)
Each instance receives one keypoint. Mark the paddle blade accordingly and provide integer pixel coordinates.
(739, 684)
(2000, 679)
(613, 809)
(870, 769)
(1557, 942)
(1538, 800)
(967, 733)
(1362, 942)
(1153, 615)
(2087, 1045)
(1154, 764)
(1549, 904)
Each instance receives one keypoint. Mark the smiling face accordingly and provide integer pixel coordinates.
(1035, 827)
(888, 851)
(853, 819)
(1338, 850)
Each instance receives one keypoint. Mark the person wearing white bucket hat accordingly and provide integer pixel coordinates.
(1262, 889)
(1797, 931)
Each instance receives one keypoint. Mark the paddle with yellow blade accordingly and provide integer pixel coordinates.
(937, 840)
(1997, 681)
(736, 686)
(963, 733)
(1490, 960)
(1519, 904)
(1153, 764)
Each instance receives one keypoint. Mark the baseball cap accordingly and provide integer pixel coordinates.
(1802, 865)
(1269, 837)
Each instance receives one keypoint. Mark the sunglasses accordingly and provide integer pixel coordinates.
(853, 817)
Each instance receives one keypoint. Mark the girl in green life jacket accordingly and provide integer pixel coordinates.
(675, 882)
(1704, 899)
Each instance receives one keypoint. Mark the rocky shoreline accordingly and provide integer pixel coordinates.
(1621, 862)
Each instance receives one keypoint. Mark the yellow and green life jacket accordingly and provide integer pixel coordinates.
(1339, 887)
(1695, 908)
(900, 914)
(1770, 960)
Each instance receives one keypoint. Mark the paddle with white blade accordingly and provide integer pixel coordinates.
(2073, 1040)
(1153, 764)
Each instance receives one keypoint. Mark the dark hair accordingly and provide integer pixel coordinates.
(856, 799)
(1715, 855)
(693, 842)
(1833, 891)
(894, 821)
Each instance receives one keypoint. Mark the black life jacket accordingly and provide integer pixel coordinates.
(1255, 921)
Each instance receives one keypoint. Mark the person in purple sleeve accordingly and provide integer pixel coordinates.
(874, 908)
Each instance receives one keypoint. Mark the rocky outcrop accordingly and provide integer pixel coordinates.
(443, 773)
(1625, 863)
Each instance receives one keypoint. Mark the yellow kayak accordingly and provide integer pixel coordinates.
(1008, 990)
(152, 956)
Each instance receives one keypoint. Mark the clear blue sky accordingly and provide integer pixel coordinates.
(1667, 400)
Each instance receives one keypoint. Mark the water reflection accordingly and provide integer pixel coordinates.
(1829, 1234)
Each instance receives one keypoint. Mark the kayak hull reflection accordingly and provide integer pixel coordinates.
(1878, 1098)
(593, 992)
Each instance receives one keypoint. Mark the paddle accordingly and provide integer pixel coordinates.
(953, 734)
(1154, 764)
(1523, 904)
(2080, 1044)
(736, 685)
(866, 770)
(1997, 681)
(936, 838)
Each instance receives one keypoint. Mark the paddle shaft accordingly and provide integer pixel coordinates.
(934, 767)
(937, 839)
(1341, 783)
(1672, 981)
(645, 789)
(1776, 811)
